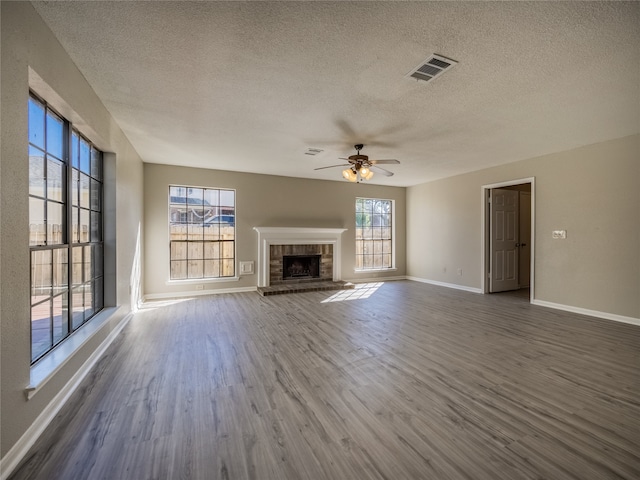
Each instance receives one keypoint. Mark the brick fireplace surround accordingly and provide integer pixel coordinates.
(274, 242)
(277, 252)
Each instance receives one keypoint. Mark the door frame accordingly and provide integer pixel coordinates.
(486, 232)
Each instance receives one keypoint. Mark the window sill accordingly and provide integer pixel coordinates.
(45, 368)
(201, 281)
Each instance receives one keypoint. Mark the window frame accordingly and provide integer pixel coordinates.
(227, 258)
(376, 266)
(58, 290)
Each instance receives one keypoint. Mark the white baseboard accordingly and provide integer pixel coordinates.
(13, 457)
(196, 293)
(585, 311)
(444, 284)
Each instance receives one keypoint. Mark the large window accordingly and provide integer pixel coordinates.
(202, 232)
(374, 234)
(65, 228)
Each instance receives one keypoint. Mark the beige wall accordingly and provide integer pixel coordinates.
(28, 43)
(591, 192)
(266, 201)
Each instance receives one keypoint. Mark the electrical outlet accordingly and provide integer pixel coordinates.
(444, 269)
(199, 287)
(562, 234)
(460, 271)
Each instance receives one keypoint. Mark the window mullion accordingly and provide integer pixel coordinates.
(68, 135)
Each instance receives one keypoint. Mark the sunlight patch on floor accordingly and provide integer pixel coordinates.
(359, 292)
(153, 304)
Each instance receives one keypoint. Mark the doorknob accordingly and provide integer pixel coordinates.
(521, 244)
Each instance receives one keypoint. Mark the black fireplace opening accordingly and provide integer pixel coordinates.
(297, 267)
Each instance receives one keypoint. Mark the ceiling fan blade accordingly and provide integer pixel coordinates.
(381, 170)
(332, 166)
(384, 162)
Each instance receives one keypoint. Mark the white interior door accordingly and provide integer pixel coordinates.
(504, 240)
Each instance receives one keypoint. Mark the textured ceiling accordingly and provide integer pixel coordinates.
(249, 86)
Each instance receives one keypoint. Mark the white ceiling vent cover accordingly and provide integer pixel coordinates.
(432, 67)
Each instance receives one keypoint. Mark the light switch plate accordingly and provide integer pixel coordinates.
(559, 234)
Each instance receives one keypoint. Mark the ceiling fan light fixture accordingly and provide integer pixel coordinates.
(368, 176)
(364, 171)
(350, 175)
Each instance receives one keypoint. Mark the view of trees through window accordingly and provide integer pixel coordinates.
(201, 232)
(65, 228)
(374, 247)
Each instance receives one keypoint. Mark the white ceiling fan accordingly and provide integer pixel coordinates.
(360, 167)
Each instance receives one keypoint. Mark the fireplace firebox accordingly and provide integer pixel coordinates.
(300, 267)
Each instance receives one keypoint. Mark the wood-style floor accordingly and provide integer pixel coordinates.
(409, 381)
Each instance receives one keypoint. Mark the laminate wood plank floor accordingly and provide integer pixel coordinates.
(398, 380)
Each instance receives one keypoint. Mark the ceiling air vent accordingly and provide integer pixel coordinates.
(313, 151)
(432, 67)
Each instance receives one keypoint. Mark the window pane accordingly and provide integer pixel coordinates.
(40, 275)
(54, 223)
(211, 197)
(98, 294)
(88, 264)
(179, 270)
(60, 270)
(96, 227)
(77, 266)
(36, 172)
(60, 317)
(227, 198)
(98, 260)
(196, 231)
(75, 186)
(196, 268)
(75, 228)
(228, 268)
(95, 195)
(75, 150)
(54, 135)
(84, 191)
(96, 164)
(194, 196)
(227, 249)
(85, 156)
(77, 308)
(40, 329)
(55, 179)
(195, 250)
(212, 250)
(211, 231)
(88, 300)
(36, 123)
(178, 192)
(84, 225)
(178, 250)
(178, 214)
(177, 232)
(37, 232)
(212, 268)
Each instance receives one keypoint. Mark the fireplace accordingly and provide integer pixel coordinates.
(274, 243)
(299, 267)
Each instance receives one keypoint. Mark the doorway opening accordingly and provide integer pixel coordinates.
(508, 219)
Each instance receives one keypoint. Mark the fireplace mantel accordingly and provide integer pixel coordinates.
(268, 236)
